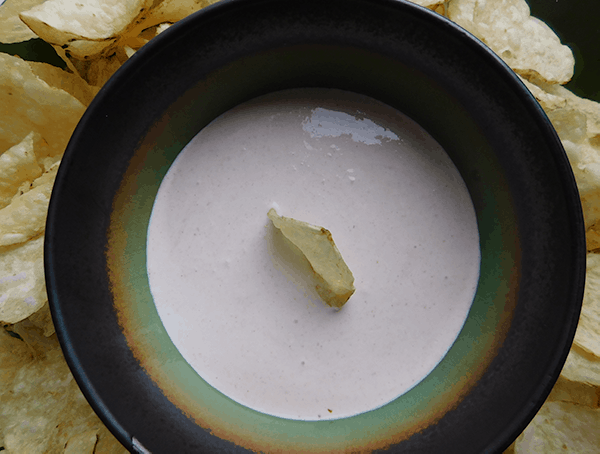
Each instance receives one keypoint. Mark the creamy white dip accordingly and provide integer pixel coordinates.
(240, 307)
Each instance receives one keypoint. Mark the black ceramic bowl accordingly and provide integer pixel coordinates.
(520, 327)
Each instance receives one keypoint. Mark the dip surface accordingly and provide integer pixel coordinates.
(240, 306)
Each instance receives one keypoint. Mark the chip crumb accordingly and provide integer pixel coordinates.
(336, 282)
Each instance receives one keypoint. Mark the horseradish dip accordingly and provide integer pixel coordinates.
(240, 305)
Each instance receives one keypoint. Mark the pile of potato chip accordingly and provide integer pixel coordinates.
(41, 407)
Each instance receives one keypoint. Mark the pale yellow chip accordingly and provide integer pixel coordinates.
(570, 124)
(83, 443)
(587, 336)
(14, 354)
(588, 107)
(12, 28)
(97, 36)
(548, 101)
(99, 71)
(577, 122)
(69, 82)
(525, 43)
(27, 104)
(85, 28)
(576, 392)
(25, 217)
(42, 409)
(561, 427)
(336, 282)
(22, 285)
(582, 367)
(174, 10)
(428, 3)
(18, 165)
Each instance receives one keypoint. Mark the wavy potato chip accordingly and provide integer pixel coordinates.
(336, 283)
(25, 217)
(27, 104)
(561, 427)
(577, 122)
(585, 161)
(22, 285)
(547, 100)
(590, 108)
(462, 12)
(41, 408)
(587, 336)
(18, 164)
(69, 82)
(83, 443)
(97, 72)
(14, 354)
(93, 24)
(525, 43)
(12, 28)
(582, 366)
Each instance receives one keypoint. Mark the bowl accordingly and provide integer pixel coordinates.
(523, 317)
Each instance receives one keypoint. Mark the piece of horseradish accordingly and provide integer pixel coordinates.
(335, 282)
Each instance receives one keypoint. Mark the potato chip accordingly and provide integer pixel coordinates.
(590, 108)
(12, 28)
(525, 43)
(42, 409)
(69, 82)
(97, 72)
(570, 124)
(462, 12)
(34, 337)
(162, 27)
(83, 443)
(25, 217)
(582, 366)
(437, 6)
(547, 100)
(174, 10)
(27, 104)
(587, 336)
(561, 427)
(22, 285)
(336, 283)
(576, 392)
(84, 28)
(18, 165)
(14, 354)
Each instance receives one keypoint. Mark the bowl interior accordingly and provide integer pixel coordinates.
(519, 329)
